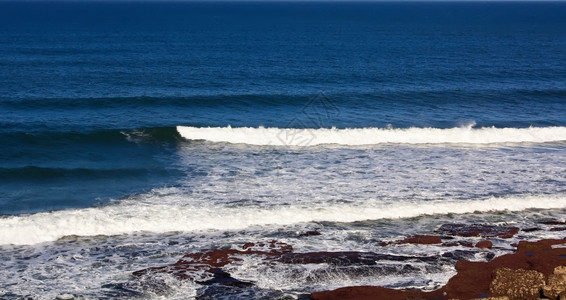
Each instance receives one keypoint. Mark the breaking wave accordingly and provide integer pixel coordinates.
(137, 217)
(372, 136)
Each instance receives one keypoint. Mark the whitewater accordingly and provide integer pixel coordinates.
(372, 136)
(156, 218)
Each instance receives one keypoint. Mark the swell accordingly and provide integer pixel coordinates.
(46, 173)
(372, 136)
(113, 136)
(164, 101)
(204, 98)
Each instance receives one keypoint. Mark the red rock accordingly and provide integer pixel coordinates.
(485, 244)
(212, 261)
(473, 278)
(366, 293)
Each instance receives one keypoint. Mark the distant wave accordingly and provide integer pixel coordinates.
(205, 100)
(43, 173)
(125, 219)
(109, 136)
(373, 136)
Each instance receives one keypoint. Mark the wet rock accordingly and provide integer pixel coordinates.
(553, 222)
(208, 260)
(309, 233)
(417, 240)
(223, 278)
(333, 258)
(365, 293)
(485, 244)
(474, 279)
(422, 240)
(466, 230)
(346, 258)
(121, 290)
(531, 229)
(516, 284)
(556, 284)
(460, 254)
(192, 265)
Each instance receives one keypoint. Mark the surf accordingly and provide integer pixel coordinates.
(130, 217)
(372, 136)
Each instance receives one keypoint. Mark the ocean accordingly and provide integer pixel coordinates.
(133, 133)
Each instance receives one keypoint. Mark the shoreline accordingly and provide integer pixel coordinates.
(533, 271)
(537, 270)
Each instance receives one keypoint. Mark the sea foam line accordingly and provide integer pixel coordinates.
(372, 136)
(124, 219)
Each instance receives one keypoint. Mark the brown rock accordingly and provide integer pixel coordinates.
(556, 283)
(560, 270)
(473, 278)
(366, 293)
(485, 244)
(516, 284)
(212, 261)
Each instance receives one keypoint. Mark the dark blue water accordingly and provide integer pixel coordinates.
(77, 79)
(91, 94)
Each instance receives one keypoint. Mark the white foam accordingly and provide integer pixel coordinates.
(372, 136)
(124, 219)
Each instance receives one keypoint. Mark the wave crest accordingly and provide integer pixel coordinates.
(126, 219)
(372, 136)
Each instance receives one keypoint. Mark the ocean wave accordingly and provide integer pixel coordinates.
(44, 173)
(125, 219)
(105, 136)
(204, 100)
(372, 136)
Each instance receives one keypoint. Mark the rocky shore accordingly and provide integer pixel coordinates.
(536, 269)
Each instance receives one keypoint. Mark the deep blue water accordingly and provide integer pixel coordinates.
(75, 75)
(91, 94)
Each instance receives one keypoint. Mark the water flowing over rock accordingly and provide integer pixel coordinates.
(465, 230)
(516, 276)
